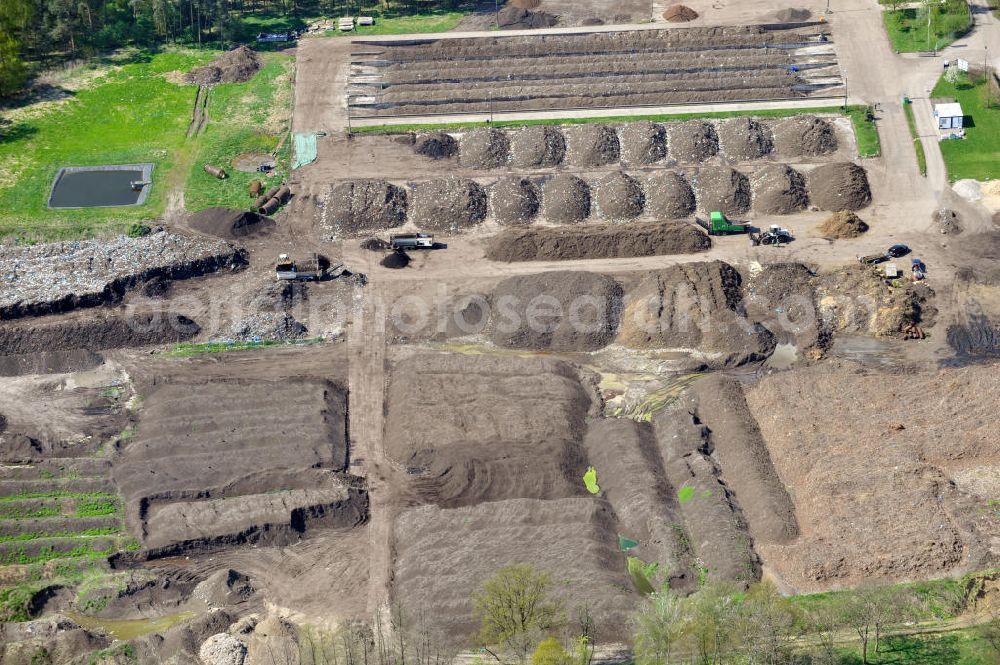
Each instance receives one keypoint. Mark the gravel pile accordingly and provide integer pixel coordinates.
(778, 190)
(948, 222)
(366, 205)
(742, 139)
(692, 141)
(448, 204)
(642, 143)
(515, 200)
(236, 66)
(804, 136)
(591, 145)
(842, 225)
(436, 145)
(55, 277)
(839, 186)
(723, 189)
(485, 148)
(537, 145)
(566, 199)
(619, 197)
(669, 195)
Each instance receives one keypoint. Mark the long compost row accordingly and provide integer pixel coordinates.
(451, 204)
(652, 67)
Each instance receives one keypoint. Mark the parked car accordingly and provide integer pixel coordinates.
(897, 251)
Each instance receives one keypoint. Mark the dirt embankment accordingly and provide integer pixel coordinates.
(56, 277)
(556, 311)
(470, 429)
(694, 307)
(95, 333)
(596, 241)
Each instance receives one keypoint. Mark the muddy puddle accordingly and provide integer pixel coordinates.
(785, 356)
(868, 351)
(127, 629)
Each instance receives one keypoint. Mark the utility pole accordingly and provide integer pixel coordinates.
(496, 11)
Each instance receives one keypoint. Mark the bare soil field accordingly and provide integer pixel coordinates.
(919, 510)
(590, 70)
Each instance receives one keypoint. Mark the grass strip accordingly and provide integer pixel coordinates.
(187, 349)
(911, 122)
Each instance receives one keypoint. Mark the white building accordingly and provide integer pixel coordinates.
(948, 116)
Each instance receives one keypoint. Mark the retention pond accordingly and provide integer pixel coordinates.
(101, 186)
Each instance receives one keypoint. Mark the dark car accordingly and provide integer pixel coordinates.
(897, 251)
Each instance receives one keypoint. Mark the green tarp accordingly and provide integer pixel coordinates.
(590, 480)
(626, 544)
(305, 149)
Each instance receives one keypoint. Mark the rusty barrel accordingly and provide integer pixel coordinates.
(270, 206)
(215, 171)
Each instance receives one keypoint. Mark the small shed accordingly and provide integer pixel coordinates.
(949, 116)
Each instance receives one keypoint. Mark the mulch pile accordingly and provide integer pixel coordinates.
(515, 18)
(515, 200)
(619, 197)
(396, 260)
(839, 186)
(742, 139)
(642, 142)
(448, 204)
(596, 241)
(230, 224)
(436, 145)
(669, 195)
(537, 145)
(841, 225)
(485, 148)
(366, 205)
(804, 135)
(236, 66)
(591, 145)
(680, 14)
(723, 189)
(566, 199)
(692, 141)
(779, 190)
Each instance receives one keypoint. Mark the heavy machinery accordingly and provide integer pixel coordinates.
(411, 241)
(287, 269)
(719, 225)
(773, 235)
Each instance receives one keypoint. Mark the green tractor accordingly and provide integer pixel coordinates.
(718, 225)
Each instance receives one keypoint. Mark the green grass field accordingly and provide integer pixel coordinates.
(137, 112)
(438, 21)
(908, 29)
(978, 154)
(865, 132)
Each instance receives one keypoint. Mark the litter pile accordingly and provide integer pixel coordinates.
(366, 205)
(642, 142)
(804, 136)
(669, 195)
(436, 145)
(485, 148)
(948, 222)
(55, 277)
(723, 189)
(537, 145)
(743, 138)
(596, 241)
(448, 204)
(779, 189)
(679, 14)
(619, 197)
(566, 199)
(236, 66)
(515, 200)
(591, 145)
(842, 225)
(267, 326)
(692, 141)
(515, 18)
(230, 224)
(558, 331)
(839, 186)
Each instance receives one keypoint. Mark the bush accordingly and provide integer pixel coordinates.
(550, 652)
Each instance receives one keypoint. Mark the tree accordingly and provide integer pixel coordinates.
(659, 627)
(550, 651)
(12, 71)
(870, 612)
(710, 618)
(764, 626)
(514, 609)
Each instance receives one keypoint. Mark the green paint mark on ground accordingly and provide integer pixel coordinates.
(590, 480)
(685, 494)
